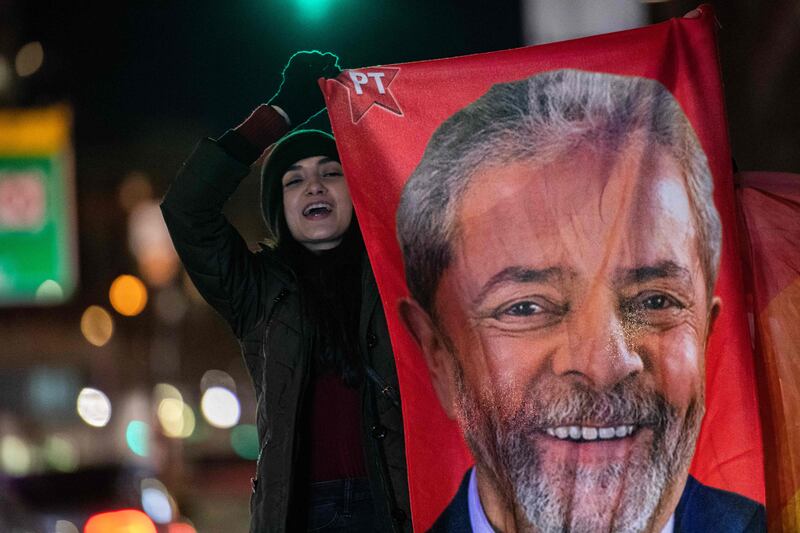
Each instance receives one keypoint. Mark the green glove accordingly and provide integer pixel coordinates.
(299, 95)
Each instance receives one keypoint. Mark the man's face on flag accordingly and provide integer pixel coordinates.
(575, 315)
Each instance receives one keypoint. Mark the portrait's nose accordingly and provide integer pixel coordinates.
(314, 186)
(598, 351)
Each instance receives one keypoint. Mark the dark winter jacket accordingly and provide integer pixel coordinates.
(257, 294)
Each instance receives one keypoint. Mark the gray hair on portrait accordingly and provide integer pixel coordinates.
(540, 119)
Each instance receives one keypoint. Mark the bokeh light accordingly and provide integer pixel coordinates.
(170, 414)
(29, 58)
(151, 245)
(177, 419)
(65, 526)
(135, 189)
(49, 292)
(15, 455)
(157, 501)
(128, 295)
(97, 325)
(165, 390)
(217, 378)
(220, 407)
(125, 521)
(61, 454)
(244, 441)
(94, 407)
(314, 10)
(137, 436)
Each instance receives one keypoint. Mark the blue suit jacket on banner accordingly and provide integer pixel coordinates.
(701, 509)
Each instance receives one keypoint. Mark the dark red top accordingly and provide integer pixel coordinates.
(335, 416)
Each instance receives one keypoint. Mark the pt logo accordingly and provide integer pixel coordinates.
(370, 87)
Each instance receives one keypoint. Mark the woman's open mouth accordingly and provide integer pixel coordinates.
(317, 210)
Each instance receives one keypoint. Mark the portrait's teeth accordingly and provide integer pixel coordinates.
(606, 433)
(584, 433)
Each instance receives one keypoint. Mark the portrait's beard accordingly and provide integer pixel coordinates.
(557, 494)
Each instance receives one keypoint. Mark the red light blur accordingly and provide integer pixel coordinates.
(124, 521)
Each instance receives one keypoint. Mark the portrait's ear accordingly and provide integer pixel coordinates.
(437, 357)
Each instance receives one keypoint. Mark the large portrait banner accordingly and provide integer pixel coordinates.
(552, 230)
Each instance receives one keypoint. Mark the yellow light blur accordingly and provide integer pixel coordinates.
(128, 295)
(15, 455)
(49, 292)
(97, 325)
(29, 58)
(165, 390)
(61, 454)
(177, 419)
(170, 415)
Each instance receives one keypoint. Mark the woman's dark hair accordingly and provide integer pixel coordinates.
(329, 281)
(330, 291)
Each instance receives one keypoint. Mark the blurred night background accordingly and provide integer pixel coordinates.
(119, 387)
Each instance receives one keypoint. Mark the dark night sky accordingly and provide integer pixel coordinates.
(125, 66)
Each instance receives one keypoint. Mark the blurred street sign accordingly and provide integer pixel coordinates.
(38, 252)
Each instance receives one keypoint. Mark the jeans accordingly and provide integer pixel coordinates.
(341, 505)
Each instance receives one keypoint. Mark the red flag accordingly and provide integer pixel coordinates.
(769, 214)
(560, 325)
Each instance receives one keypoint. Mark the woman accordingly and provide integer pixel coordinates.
(306, 313)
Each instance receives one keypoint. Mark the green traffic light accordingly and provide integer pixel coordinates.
(314, 9)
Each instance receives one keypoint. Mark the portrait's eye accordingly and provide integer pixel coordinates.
(525, 314)
(523, 309)
(657, 301)
(654, 308)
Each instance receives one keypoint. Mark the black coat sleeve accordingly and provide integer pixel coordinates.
(215, 256)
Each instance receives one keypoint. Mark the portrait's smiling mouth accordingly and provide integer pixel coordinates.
(590, 433)
(595, 443)
(317, 210)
